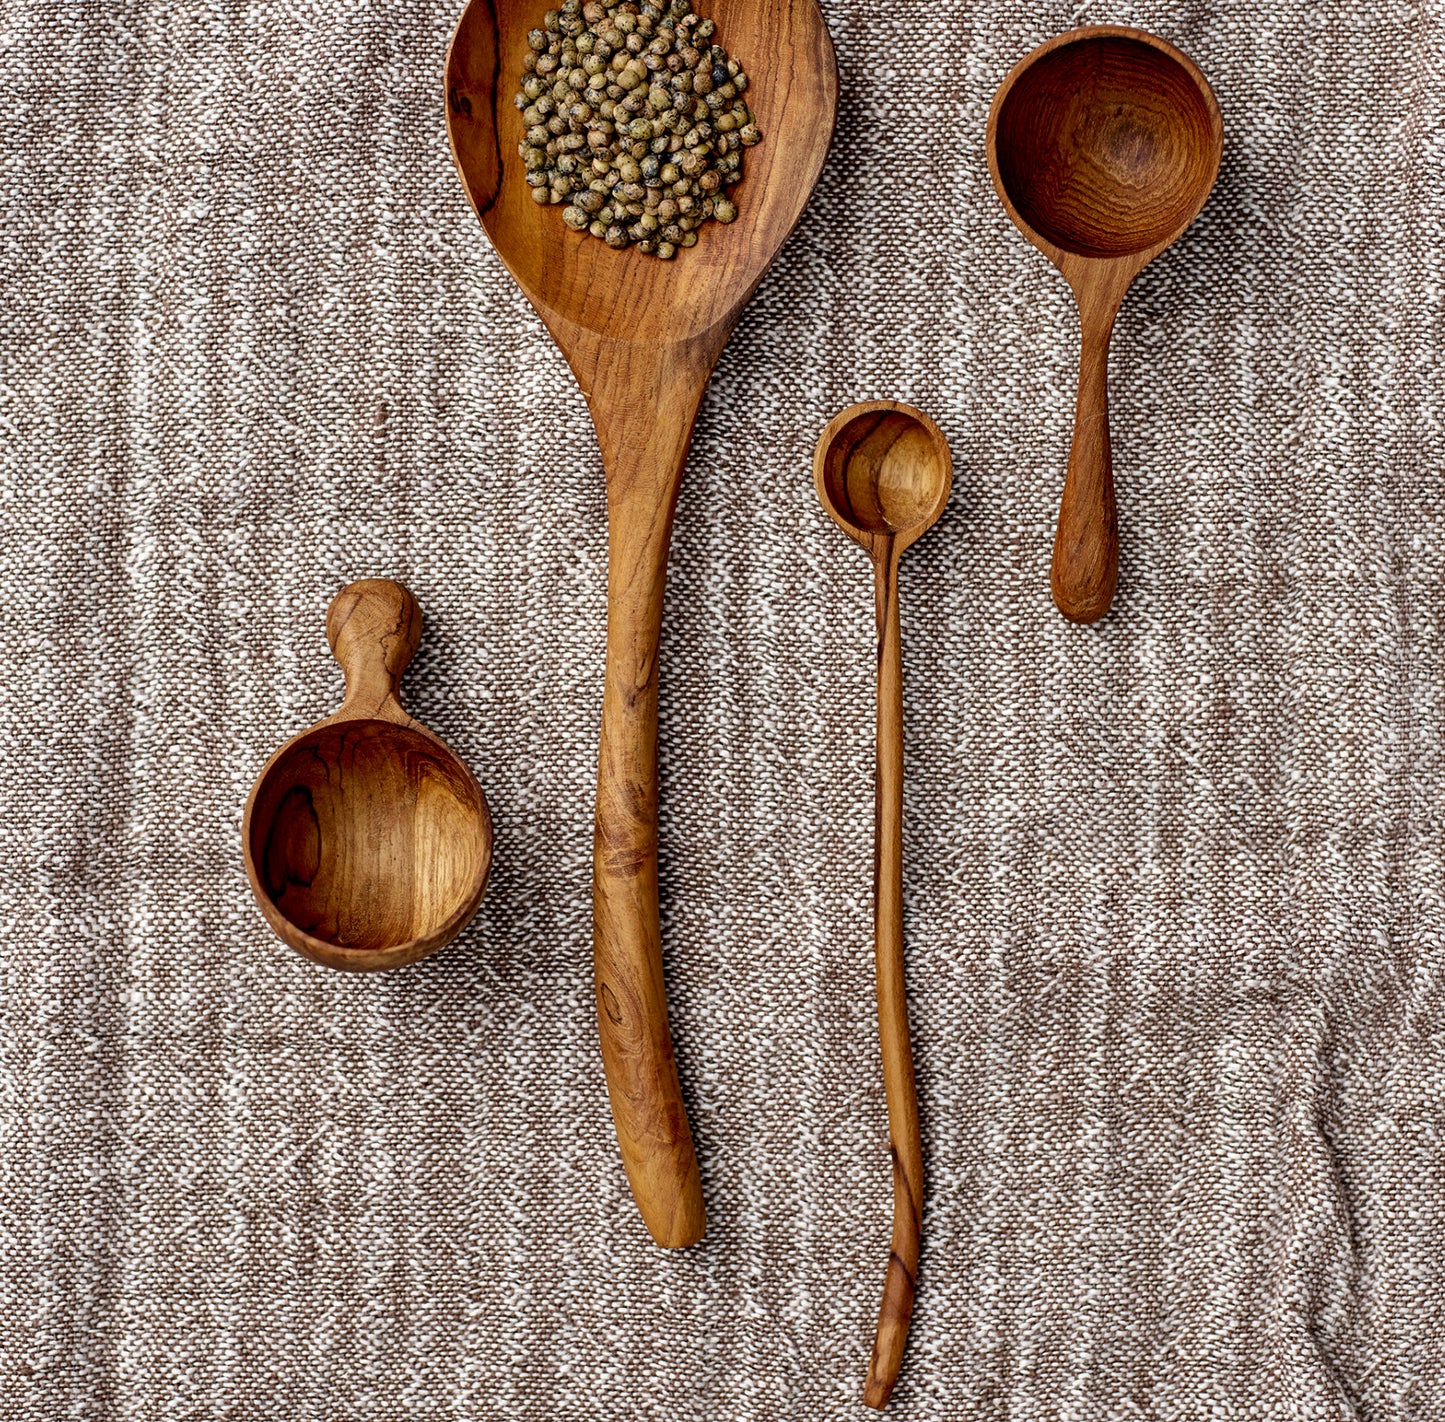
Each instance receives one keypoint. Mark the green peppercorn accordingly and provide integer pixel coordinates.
(636, 127)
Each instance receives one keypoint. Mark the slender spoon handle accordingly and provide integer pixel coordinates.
(1086, 546)
(905, 1145)
(644, 460)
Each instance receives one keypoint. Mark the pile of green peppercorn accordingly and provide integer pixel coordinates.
(634, 121)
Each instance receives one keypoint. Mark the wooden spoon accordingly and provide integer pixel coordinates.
(1103, 144)
(367, 842)
(883, 472)
(642, 336)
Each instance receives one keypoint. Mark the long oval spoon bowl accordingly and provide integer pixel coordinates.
(642, 336)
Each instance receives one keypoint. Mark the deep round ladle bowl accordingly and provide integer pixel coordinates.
(367, 842)
(1103, 144)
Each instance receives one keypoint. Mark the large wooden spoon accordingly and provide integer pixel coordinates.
(1103, 143)
(883, 472)
(642, 336)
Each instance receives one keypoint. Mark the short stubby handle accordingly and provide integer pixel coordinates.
(374, 626)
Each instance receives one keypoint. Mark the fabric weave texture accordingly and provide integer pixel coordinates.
(1175, 924)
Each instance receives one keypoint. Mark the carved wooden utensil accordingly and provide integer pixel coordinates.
(367, 841)
(883, 472)
(642, 336)
(1104, 144)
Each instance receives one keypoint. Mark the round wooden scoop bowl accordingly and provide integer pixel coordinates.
(642, 336)
(1103, 144)
(883, 472)
(367, 842)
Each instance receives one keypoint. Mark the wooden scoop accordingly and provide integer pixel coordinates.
(367, 842)
(1103, 144)
(642, 336)
(883, 472)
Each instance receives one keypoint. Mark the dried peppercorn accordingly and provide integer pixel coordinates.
(634, 121)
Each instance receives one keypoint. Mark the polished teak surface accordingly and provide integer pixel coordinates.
(883, 472)
(642, 336)
(367, 842)
(1104, 144)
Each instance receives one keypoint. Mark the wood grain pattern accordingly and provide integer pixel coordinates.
(642, 337)
(1104, 144)
(367, 842)
(883, 472)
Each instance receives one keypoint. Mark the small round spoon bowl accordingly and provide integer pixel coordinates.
(367, 841)
(1103, 144)
(883, 472)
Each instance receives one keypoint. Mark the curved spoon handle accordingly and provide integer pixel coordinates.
(904, 1143)
(1086, 546)
(374, 627)
(644, 453)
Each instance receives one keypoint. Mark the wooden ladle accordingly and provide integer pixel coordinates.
(1104, 144)
(883, 472)
(642, 337)
(367, 841)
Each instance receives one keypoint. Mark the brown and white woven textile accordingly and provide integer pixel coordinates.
(1176, 923)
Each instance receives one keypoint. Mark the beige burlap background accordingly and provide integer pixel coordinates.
(1174, 883)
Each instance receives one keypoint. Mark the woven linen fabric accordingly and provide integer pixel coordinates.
(1174, 882)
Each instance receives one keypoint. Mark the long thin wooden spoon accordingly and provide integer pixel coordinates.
(1103, 143)
(883, 472)
(642, 337)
